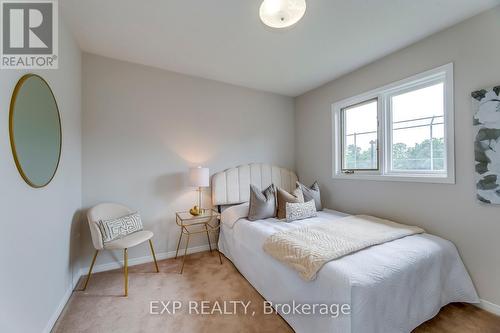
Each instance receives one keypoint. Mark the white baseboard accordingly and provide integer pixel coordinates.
(488, 306)
(107, 267)
(57, 312)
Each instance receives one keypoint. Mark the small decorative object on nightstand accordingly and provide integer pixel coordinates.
(192, 225)
(198, 177)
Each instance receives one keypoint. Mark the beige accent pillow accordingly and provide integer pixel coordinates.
(283, 197)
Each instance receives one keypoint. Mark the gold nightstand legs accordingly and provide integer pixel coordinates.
(185, 253)
(208, 236)
(218, 252)
(90, 270)
(154, 255)
(178, 245)
(201, 222)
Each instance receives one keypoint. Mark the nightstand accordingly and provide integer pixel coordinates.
(206, 222)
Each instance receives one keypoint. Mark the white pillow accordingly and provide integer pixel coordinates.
(300, 210)
(113, 229)
(232, 214)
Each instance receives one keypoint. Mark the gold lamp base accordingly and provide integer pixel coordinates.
(195, 211)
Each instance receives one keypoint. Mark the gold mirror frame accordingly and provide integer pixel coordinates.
(13, 100)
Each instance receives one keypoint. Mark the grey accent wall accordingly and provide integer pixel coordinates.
(143, 128)
(38, 238)
(450, 211)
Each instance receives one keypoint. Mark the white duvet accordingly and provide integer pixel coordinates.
(392, 287)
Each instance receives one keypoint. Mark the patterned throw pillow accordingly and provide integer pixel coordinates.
(299, 211)
(120, 227)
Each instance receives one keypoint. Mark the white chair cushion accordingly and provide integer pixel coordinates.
(129, 241)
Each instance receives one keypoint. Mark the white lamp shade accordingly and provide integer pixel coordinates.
(199, 177)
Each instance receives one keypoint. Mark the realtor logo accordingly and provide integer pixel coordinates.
(29, 34)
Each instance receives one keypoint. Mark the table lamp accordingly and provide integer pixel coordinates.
(198, 177)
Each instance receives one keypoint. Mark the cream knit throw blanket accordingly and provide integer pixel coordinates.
(307, 248)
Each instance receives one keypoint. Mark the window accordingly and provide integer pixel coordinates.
(417, 130)
(403, 131)
(360, 136)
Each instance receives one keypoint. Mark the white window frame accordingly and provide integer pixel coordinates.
(342, 120)
(383, 95)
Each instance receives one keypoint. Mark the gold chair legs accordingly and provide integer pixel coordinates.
(90, 270)
(154, 256)
(125, 261)
(125, 267)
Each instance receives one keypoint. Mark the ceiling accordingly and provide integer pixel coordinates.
(224, 40)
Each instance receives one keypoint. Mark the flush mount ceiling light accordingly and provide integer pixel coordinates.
(282, 13)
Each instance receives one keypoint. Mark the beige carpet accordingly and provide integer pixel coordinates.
(101, 308)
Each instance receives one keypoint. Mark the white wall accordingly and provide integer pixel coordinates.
(143, 128)
(37, 235)
(450, 211)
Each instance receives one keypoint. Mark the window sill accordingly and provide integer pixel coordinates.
(415, 178)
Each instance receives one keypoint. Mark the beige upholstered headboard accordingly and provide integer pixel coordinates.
(232, 186)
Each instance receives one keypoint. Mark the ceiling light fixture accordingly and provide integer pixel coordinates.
(282, 13)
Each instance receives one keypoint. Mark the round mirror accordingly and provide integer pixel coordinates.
(35, 130)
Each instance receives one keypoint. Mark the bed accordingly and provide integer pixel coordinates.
(391, 287)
